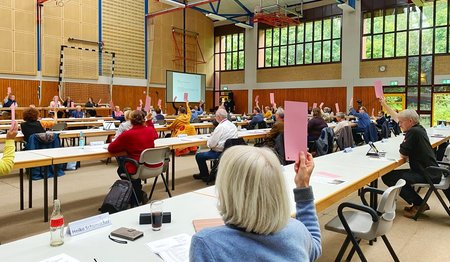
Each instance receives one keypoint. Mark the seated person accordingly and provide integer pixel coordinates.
(91, 103)
(124, 126)
(315, 125)
(327, 114)
(268, 112)
(380, 118)
(277, 128)
(158, 116)
(31, 125)
(416, 148)
(141, 136)
(9, 100)
(55, 103)
(224, 131)
(7, 161)
(117, 114)
(197, 111)
(255, 208)
(363, 123)
(77, 113)
(341, 123)
(181, 125)
(68, 103)
(256, 119)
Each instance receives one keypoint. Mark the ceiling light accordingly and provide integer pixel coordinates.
(244, 25)
(216, 17)
(173, 3)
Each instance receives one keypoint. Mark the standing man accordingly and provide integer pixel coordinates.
(224, 131)
(417, 149)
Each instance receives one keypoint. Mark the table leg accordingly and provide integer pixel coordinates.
(30, 187)
(374, 196)
(173, 169)
(21, 189)
(46, 195)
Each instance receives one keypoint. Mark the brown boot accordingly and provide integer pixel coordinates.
(411, 213)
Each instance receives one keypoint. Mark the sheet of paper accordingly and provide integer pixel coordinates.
(60, 258)
(378, 89)
(295, 129)
(337, 108)
(172, 249)
(272, 98)
(186, 97)
(148, 103)
(314, 105)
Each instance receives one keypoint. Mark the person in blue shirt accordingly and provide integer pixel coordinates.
(9, 100)
(363, 123)
(197, 111)
(77, 113)
(257, 118)
(254, 204)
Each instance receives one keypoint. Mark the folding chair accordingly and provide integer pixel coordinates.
(365, 222)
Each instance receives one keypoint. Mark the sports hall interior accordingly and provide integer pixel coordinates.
(325, 53)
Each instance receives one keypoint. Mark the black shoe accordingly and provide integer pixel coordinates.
(198, 176)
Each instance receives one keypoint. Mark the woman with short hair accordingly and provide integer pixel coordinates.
(32, 125)
(254, 204)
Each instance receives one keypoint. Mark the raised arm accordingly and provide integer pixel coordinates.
(389, 110)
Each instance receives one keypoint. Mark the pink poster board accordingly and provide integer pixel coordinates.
(378, 89)
(337, 108)
(272, 98)
(148, 102)
(295, 129)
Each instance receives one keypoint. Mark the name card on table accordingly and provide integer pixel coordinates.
(89, 224)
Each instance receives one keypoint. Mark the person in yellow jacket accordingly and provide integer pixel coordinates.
(7, 161)
(181, 125)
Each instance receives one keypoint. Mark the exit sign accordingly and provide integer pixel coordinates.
(393, 83)
(446, 81)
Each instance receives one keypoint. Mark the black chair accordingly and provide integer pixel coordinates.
(371, 133)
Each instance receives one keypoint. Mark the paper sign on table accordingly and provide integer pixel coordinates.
(378, 89)
(314, 105)
(272, 98)
(89, 224)
(295, 129)
(159, 103)
(148, 102)
(337, 108)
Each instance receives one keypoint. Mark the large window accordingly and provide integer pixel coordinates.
(312, 42)
(408, 30)
(229, 52)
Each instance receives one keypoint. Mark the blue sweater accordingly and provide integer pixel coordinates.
(196, 113)
(363, 118)
(299, 240)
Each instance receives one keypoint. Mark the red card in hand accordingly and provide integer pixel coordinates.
(185, 97)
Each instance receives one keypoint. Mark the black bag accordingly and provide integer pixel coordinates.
(118, 197)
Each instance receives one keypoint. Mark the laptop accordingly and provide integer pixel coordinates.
(109, 126)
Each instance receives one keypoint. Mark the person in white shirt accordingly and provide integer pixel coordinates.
(224, 131)
(340, 118)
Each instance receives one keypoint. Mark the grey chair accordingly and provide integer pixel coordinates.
(443, 185)
(365, 222)
(153, 162)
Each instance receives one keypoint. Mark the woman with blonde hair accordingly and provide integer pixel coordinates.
(254, 204)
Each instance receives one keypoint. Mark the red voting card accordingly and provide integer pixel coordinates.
(272, 98)
(185, 97)
(159, 103)
(13, 112)
(295, 129)
(111, 104)
(9, 90)
(378, 89)
(314, 105)
(256, 99)
(337, 107)
(148, 102)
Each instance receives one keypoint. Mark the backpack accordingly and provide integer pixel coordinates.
(118, 197)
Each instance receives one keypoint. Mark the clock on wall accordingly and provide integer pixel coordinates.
(382, 68)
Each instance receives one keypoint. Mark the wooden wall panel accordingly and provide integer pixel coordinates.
(394, 68)
(24, 90)
(329, 96)
(240, 101)
(209, 98)
(299, 73)
(367, 95)
(49, 90)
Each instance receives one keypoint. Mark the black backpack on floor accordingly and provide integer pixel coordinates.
(118, 197)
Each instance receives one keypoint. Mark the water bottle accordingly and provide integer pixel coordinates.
(81, 142)
(56, 225)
